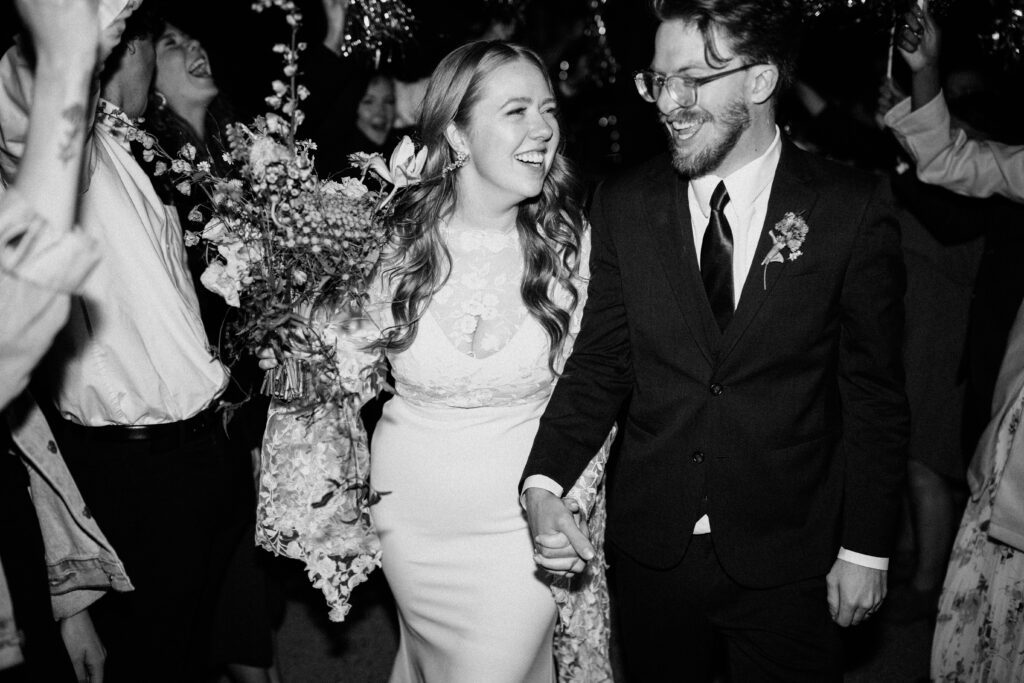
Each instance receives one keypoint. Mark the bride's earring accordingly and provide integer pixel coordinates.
(459, 162)
(161, 100)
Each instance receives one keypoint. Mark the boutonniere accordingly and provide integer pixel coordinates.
(788, 236)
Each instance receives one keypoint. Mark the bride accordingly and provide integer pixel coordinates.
(479, 300)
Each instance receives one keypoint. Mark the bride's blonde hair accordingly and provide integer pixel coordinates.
(550, 225)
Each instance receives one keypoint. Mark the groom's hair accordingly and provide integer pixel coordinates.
(759, 31)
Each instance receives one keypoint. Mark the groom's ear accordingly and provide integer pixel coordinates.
(764, 82)
(455, 138)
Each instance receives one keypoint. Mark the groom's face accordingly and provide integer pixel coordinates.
(708, 136)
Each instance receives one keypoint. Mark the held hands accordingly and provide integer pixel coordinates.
(84, 647)
(919, 40)
(561, 543)
(854, 592)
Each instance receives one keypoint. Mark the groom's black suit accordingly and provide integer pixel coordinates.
(789, 429)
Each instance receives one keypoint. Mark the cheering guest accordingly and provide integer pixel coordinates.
(134, 380)
(978, 635)
(54, 561)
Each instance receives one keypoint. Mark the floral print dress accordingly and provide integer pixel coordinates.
(979, 634)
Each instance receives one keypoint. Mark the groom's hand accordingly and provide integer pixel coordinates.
(559, 545)
(854, 592)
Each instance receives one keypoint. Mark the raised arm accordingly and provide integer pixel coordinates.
(42, 260)
(945, 156)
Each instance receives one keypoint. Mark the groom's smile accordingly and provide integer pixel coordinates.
(705, 136)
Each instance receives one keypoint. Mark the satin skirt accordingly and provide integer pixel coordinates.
(457, 549)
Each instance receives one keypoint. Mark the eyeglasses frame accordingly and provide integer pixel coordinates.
(661, 80)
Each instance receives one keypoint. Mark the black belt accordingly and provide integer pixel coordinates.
(204, 422)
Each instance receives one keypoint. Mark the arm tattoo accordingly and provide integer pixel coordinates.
(74, 120)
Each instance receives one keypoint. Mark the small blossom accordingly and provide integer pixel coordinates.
(160, 168)
(191, 238)
(184, 187)
(188, 151)
(203, 166)
(195, 215)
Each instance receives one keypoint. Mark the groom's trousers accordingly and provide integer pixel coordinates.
(674, 623)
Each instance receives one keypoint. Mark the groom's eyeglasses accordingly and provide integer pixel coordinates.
(682, 89)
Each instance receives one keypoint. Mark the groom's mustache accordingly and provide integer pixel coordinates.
(683, 117)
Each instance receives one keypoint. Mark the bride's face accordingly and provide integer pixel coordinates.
(512, 137)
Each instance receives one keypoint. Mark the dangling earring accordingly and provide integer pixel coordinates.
(459, 162)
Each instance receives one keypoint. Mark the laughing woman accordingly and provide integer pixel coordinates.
(480, 299)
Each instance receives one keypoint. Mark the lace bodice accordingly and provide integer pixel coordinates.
(476, 344)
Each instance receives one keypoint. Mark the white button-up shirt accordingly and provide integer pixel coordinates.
(134, 351)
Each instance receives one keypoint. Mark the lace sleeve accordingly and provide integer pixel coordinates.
(314, 490)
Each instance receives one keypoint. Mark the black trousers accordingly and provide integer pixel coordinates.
(162, 505)
(680, 624)
(24, 566)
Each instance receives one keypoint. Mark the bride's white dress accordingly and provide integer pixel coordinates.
(450, 448)
(449, 451)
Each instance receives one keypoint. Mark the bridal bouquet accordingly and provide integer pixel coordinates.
(294, 255)
(284, 247)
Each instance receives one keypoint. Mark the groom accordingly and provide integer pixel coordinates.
(754, 501)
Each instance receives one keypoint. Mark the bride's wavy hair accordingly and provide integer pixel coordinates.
(550, 225)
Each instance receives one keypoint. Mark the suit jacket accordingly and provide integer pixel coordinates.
(790, 428)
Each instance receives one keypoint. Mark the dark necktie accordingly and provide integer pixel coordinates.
(716, 259)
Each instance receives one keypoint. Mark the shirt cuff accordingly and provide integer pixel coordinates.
(539, 481)
(869, 561)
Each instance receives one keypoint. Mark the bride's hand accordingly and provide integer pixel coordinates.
(268, 359)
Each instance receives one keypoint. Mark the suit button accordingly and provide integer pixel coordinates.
(716, 389)
(698, 457)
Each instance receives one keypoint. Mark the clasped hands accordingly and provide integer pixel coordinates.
(561, 542)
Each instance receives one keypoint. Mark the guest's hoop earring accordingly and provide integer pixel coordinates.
(161, 100)
(459, 162)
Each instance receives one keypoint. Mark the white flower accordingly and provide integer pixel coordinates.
(195, 215)
(219, 280)
(184, 187)
(265, 151)
(348, 187)
(406, 163)
(188, 151)
(192, 238)
(215, 231)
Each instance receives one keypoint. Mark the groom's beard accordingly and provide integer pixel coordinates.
(694, 164)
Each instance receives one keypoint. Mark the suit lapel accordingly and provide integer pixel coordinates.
(667, 212)
(790, 191)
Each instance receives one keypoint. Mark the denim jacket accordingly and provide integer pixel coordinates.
(80, 562)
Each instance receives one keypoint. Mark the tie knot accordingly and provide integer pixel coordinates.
(720, 197)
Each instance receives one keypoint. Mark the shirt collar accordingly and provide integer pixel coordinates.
(745, 184)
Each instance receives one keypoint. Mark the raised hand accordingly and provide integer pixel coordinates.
(920, 39)
(64, 32)
(336, 13)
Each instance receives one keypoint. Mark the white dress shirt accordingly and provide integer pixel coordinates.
(134, 351)
(749, 189)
